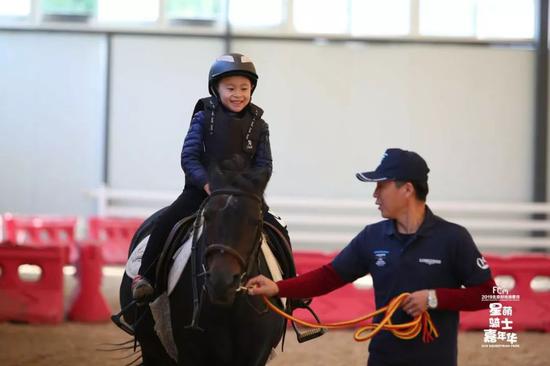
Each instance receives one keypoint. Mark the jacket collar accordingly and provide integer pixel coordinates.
(423, 230)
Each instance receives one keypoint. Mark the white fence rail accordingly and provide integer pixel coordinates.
(329, 224)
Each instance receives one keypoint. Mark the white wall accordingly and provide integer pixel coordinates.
(332, 110)
(51, 121)
(155, 84)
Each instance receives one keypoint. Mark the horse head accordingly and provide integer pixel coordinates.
(233, 220)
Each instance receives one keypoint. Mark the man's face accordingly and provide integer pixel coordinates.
(234, 92)
(390, 199)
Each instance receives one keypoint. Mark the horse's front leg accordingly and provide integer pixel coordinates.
(262, 357)
(190, 349)
(258, 334)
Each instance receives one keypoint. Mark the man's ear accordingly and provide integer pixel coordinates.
(410, 189)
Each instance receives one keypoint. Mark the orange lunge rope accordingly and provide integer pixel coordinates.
(422, 323)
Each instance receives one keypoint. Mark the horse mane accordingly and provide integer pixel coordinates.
(235, 173)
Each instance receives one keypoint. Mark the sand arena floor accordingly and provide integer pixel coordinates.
(76, 344)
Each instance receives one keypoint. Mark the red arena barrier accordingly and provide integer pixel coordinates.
(39, 301)
(532, 310)
(349, 302)
(114, 235)
(41, 231)
(88, 303)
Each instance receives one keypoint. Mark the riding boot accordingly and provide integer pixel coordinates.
(142, 290)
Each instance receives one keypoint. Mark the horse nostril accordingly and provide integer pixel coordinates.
(236, 279)
(224, 280)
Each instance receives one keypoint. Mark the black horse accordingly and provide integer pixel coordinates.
(213, 322)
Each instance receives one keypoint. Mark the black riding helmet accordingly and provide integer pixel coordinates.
(229, 65)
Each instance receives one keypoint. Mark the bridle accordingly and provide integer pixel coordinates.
(211, 249)
(220, 248)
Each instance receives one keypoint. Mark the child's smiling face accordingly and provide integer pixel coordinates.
(235, 92)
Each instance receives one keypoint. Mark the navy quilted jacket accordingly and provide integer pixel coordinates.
(193, 151)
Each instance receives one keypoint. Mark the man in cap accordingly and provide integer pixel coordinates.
(412, 251)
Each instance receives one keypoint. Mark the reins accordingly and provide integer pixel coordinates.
(422, 323)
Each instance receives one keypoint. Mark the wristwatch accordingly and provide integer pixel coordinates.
(432, 299)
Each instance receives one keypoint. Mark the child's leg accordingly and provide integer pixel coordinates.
(185, 205)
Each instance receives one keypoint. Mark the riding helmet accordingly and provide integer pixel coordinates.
(228, 65)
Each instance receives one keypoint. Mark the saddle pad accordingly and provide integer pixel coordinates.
(134, 261)
(181, 256)
(272, 264)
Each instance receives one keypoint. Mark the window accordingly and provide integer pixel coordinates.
(321, 16)
(15, 8)
(122, 11)
(68, 7)
(380, 17)
(193, 9)
(506, 19)
(447, 17)
(256, 13)
(468, 19)
(478, 18)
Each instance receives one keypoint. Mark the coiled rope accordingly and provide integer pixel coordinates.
(421, 323)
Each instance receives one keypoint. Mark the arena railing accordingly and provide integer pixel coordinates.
(329, 223)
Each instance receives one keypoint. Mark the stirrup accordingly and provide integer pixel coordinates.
(300, 303)
(309, 334)
(119, 322)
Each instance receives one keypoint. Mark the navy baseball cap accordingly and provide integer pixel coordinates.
(400, 165)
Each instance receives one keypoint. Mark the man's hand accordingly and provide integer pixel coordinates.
(207, 188)
(261, 285)
(416, 303)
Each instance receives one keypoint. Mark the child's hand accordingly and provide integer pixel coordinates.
(207, 188)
